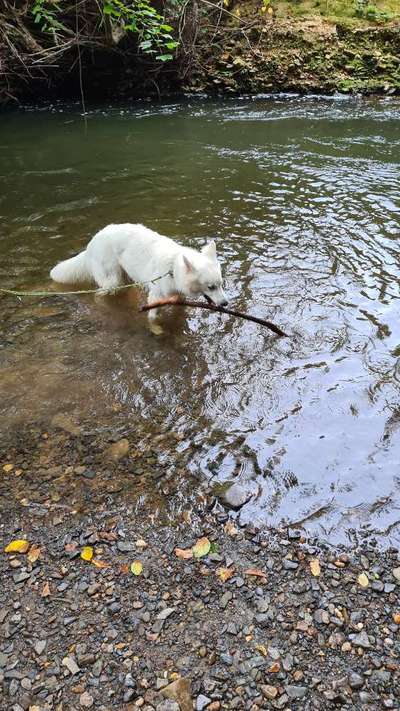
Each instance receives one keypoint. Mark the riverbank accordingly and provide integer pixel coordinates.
(245, 47)
(246, 620)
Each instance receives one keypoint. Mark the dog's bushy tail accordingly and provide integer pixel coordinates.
(72, 271)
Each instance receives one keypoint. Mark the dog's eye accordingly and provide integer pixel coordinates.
(212, 287)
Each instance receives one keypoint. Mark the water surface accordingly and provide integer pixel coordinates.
(303, 197)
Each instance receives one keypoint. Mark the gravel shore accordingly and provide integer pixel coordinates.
(245, 619)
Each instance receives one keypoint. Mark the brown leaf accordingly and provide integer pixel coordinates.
(99, 563)
(108, 535)
(231, 529)
(184, 553)
(396, 618)
(274, 668)
(256, 572)
(46, 590)
(34, 553)
(70, 547)
(124, 568)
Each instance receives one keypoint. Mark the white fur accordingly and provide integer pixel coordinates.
(133, 252)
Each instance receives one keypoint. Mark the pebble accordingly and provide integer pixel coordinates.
(396, 573)
(86, 700)
(71, 665)
(235, 496)
(125, 546)
(296, 692)
(225, 599)
(356, 681)
(202, 702)
(118, 450)
(361, 640)
(270, 692)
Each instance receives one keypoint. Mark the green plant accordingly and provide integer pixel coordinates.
(143, 19)
(44, 13)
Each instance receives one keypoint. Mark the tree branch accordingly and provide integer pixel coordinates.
(177, 301)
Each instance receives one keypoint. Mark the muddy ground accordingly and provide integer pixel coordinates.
(258, 620)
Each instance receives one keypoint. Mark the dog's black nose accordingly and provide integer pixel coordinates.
(224, 303)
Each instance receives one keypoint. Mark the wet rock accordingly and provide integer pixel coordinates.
(65, 423)
(269, 692)
(71, 665)
(361, 640)
(296, 692)
(356, 681)
(118, 450)
(202, 702)
(86, 700)
(179, 691)
(235, 496)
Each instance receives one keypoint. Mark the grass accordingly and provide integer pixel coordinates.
(378, 12)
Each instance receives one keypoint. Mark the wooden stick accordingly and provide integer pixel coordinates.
(177, 301)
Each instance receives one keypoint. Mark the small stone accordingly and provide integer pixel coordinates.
(86, 700)
(40, 646)
(179, 691)
(296, 692)
(167, 705)
(321, 617)
(71, 665)
(125, 546)
(366, 698)
(356, 681)
(3, 660)
(361, 640)
(225, 599)
(290, 564)
(202, 702)
(235, 496)
(270, 692)
(287, 662)
(396, 573)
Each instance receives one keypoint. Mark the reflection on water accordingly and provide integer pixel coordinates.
(303, 196)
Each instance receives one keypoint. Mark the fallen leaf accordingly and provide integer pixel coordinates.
(46, 590)
(231, 529)
(87, 553)
(274, 668)
(8, 468)
(108, 535)
(363, 580)
(396, 618)
(225, 573)
(136, 567)
(124, 568)
(17, 546)
(256, 572)
(34, 553)
(201, 548)
(184, 553)
(99, 563)
(315, 567)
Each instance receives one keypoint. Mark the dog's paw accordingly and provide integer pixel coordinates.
(155, 328)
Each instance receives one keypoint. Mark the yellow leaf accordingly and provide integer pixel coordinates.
(263, 650)
(136, 567)
(315, 567)
(184, 553)
(34, 553)
(99, 563)
(17, 546)
(270, 11)
(87, 553)
(225, 573)
(201, 548)
(8, 468)
(363, 580)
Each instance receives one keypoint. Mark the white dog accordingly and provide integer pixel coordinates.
(133, 252)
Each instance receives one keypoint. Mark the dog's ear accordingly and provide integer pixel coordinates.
(210, 250)
(188, 264)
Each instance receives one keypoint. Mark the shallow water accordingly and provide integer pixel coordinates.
(303, 195)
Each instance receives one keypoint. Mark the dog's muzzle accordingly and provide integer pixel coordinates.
(210, 301)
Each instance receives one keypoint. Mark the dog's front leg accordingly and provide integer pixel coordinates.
(154, 327)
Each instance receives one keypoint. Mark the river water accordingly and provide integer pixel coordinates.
(302, 195)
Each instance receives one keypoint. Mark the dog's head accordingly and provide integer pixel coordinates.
(203, 276)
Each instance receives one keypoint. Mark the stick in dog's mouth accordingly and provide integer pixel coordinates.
(210, 301)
